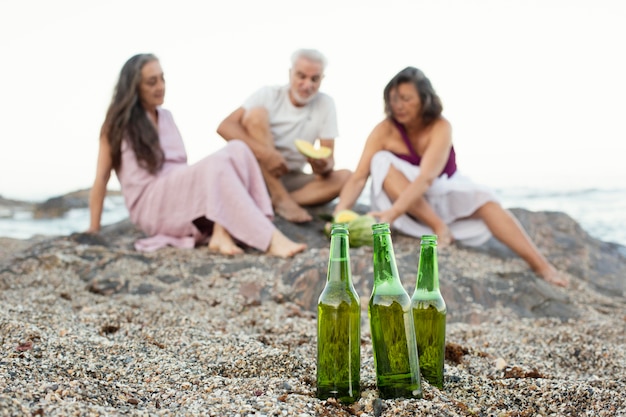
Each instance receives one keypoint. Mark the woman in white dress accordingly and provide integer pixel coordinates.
(416, 187)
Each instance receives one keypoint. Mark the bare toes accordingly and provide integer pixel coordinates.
(226, 250)
(444, 239)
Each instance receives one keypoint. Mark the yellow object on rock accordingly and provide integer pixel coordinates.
(345, 216)
(359, 227)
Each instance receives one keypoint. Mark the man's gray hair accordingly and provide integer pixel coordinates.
(311, 54)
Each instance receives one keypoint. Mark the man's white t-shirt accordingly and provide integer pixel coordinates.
(315, 120)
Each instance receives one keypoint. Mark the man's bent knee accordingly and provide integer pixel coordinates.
(339, 178)
(256, 117)
(344, 175)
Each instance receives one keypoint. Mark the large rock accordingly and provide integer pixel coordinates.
(56, 207)
(8, 207)
(477, 283)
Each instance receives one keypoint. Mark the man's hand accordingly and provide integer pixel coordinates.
(321, 166)
(274, 162)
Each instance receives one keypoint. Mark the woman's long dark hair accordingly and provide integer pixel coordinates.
(431, 103)
(126, 118)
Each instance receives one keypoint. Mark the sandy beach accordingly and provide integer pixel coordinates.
(90, 327)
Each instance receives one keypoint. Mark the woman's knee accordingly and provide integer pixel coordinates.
(486, 209)
(237, 145)
(237, 149)
(378, 158)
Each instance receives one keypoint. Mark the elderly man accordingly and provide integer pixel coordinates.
(271, 120)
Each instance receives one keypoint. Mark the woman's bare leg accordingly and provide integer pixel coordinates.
(221, 241)
(395, 183)
(505, 227)
(502, 224)
(282, 246)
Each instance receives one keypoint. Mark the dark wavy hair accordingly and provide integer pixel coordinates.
(126, 118)
(431, 103)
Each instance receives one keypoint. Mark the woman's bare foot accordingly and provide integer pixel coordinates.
(222, 242)
(444, 237)
(291, 211)
(282, 246)
(551, 275)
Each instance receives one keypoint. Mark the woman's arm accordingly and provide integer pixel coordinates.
(354, 186)
(99, 188)
(433, 162)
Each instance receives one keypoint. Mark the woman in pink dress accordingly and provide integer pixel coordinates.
(221, 198)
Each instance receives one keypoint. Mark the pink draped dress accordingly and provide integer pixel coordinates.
(226, 187)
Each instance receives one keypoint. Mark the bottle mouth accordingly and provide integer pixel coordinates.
(429, 239)
(339, 228)
(380, 228)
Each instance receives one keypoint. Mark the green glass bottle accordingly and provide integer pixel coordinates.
(429, 314)
(339, 326)
(393, 335)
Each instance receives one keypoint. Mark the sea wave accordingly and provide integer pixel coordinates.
(601, 212)
(20, 224)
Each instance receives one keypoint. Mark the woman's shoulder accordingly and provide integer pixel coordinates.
(385, 132)
(165, 115)
(439, 127)
(164, 112)
(385, 127)
(441, 123)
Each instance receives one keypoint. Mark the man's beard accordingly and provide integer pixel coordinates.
(300, 100)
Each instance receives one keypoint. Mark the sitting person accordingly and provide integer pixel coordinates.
(415, 185)
(222, 196)
(273, 118)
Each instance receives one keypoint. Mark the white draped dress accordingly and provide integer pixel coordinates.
(454, 199)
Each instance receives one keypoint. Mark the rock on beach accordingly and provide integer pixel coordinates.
(89, 326)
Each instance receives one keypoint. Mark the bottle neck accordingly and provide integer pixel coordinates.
(385, 268)
(339, 259)
(427, 269)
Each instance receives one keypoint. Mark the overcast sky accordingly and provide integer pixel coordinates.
(535, 90)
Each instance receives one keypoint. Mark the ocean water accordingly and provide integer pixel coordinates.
(22, 225)
(601, 212)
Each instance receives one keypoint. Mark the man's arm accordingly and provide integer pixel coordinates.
(233, 127)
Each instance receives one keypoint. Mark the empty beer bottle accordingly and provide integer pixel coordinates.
(339, 326)
(429, 314)
(393, 335)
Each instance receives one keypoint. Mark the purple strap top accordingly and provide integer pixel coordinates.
(414, 159)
